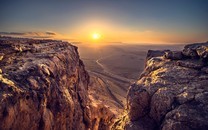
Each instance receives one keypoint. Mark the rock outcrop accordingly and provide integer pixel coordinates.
(44, 85)
(172, 92)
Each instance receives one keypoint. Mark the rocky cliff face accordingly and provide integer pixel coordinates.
(172, 92)
(43, 85)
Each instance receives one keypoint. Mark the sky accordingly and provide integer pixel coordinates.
(128, 21)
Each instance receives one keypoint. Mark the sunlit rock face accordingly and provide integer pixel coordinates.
(172, 92)
(43, 85)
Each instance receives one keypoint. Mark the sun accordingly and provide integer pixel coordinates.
(96, 36)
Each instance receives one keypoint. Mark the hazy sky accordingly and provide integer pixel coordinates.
(132, 21)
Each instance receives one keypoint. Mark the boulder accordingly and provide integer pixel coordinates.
(173, 55)
(155, 53)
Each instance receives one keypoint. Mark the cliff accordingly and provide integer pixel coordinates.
(172, 91)
(44, 85)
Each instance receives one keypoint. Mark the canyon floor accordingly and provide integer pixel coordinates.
(114, 67)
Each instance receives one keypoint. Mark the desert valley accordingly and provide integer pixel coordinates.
(104, 65)
(117, 65)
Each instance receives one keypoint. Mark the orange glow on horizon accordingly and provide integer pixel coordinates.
(114, 33)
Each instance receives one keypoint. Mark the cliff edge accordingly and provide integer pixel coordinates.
(44, 85)
(171, 93)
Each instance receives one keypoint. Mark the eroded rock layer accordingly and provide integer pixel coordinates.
(43, 85)
(172, 92)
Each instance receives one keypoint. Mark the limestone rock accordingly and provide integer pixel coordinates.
(44, 85)
(202, 51)
(205, 69)
(138, 103)
(174, 55)
(145, 123)
(196, 50)
(155, 53)
(193, 63)
(172, 92)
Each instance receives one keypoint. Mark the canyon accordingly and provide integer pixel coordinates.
(44, 84)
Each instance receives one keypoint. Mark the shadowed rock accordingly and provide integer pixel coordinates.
(174, 55)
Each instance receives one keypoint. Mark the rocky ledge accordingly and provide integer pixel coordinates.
(172, 92)
(44, 85)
